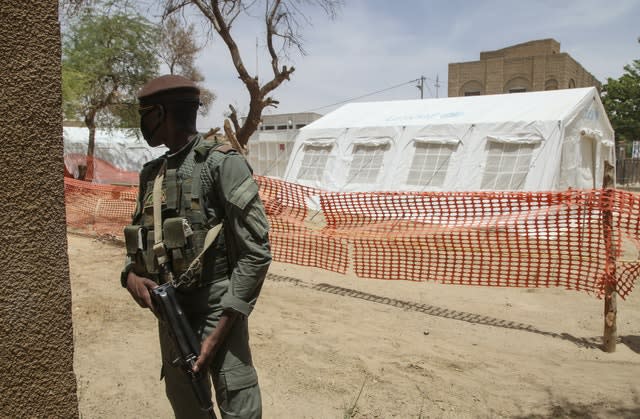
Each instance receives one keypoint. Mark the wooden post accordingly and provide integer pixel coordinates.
(610, 289)
(231, 136)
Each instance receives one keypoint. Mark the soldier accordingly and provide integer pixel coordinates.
(204, 184)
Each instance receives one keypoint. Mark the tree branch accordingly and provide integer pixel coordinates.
(282, 75)
(271, 23)
(221, 26)
(173, 6)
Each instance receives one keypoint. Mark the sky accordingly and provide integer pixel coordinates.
(376, 45)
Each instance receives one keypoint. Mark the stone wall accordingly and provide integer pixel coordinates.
(36, 335)
(526, 49)
(536, 65)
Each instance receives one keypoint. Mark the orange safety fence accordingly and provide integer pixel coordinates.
(98, 209)
(507, 239)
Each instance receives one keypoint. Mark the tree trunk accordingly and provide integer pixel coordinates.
(89, 121)
(251, 122)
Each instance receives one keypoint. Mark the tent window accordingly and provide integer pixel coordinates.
(430, 163)
(314, 161)
(507, 165)
(367, 162)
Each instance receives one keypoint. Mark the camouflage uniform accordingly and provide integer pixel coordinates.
(233, 271)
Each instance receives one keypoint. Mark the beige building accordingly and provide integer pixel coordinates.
(531, 66)
(270, 146)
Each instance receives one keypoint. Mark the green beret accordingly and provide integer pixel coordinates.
(169, 88)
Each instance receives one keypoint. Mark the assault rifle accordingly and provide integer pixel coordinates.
(169, 311)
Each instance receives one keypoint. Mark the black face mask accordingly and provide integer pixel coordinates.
(147, 133)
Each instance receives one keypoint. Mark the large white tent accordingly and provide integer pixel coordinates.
(536, 141)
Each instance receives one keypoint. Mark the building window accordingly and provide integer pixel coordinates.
(367, 162)
(517, 85)
(269, 127)
(314, 161)
(471, 88)
(269, 158)
(300, 126)
(572, 84)
(507, 165)
(430, 163)
(282, 127)
(551, 84)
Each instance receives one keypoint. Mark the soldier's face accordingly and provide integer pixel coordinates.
(151, 119)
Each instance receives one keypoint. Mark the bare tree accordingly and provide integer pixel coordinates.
(283, 20)
(178, 50)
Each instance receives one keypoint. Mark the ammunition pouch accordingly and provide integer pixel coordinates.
(139, 244)
(181, 243)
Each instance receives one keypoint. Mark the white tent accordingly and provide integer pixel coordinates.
(534, 141)
(123, 148)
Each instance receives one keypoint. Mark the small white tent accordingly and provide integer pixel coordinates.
(534, 141)
(121, 148)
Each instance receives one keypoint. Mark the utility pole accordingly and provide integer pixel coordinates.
(420, 86)
(437, 84)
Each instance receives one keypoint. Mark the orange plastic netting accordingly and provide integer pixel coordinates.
(575, 239)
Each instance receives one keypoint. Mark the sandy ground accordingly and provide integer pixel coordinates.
(333, 346)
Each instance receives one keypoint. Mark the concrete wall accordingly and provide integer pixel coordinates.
(36, 335)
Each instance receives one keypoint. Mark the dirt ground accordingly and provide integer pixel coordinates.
(333, 346)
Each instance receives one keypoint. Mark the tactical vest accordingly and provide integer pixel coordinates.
(184, 220)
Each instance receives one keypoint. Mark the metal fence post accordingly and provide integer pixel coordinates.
(610, 289)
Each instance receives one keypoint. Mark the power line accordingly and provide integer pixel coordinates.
(365, 95)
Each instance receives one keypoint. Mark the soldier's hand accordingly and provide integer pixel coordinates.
(139, 288)
(212, 343)
(207, 351)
